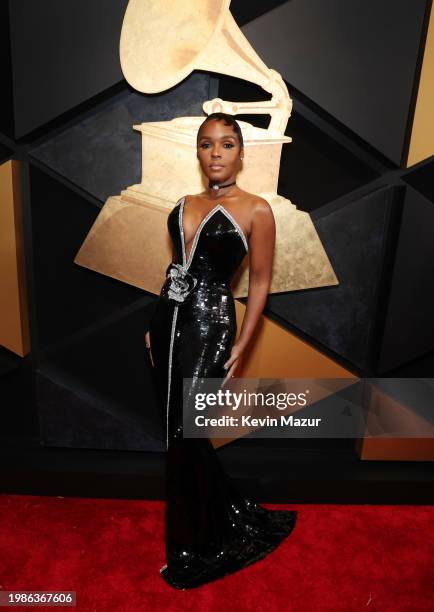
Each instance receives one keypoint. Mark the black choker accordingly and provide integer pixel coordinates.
(220, 186)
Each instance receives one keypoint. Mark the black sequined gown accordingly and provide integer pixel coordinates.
(211, 530)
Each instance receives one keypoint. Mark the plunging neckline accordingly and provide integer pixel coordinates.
(187, 259)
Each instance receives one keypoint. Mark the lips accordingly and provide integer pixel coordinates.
(215, 166)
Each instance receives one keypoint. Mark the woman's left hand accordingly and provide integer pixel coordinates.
(233, 363)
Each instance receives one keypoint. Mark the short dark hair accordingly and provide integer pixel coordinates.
(229, 120)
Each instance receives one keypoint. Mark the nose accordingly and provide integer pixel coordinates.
(215, 152)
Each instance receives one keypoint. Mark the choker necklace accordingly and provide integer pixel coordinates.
(220, 186)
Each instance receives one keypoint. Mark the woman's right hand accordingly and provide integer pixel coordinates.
(148, 344)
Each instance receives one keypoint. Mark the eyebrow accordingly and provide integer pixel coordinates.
(222, 138)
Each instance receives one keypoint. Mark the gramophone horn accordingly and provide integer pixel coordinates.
(163, 41)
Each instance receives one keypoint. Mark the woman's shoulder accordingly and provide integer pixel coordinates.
(193, 196)
(187, 197)
(179, 201)
(255, 202)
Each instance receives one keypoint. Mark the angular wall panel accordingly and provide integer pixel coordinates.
(102, 154)
(342, 318)
(63, 53)
(68, 297)
(409, 325)
(14, 306)
(357, 60)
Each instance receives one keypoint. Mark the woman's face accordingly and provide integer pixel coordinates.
(218, 151)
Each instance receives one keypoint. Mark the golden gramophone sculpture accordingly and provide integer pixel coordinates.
(161, 43)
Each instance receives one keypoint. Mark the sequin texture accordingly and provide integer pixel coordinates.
(210, 529)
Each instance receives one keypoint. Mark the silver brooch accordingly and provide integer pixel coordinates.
(180, 283)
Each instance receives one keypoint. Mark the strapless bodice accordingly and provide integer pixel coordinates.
(215, 253)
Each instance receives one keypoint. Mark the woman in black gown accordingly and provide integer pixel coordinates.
(211, 529)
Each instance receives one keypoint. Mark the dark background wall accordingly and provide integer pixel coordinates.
(343, 55)
(63, 53)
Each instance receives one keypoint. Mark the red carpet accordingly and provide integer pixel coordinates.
(110, 551)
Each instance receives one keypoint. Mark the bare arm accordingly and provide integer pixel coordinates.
(261, 248)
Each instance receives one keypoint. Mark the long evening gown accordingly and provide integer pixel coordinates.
(210, 529)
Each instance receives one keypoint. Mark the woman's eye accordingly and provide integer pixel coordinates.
(205, 145)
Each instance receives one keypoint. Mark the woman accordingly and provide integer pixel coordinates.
(211, 530)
